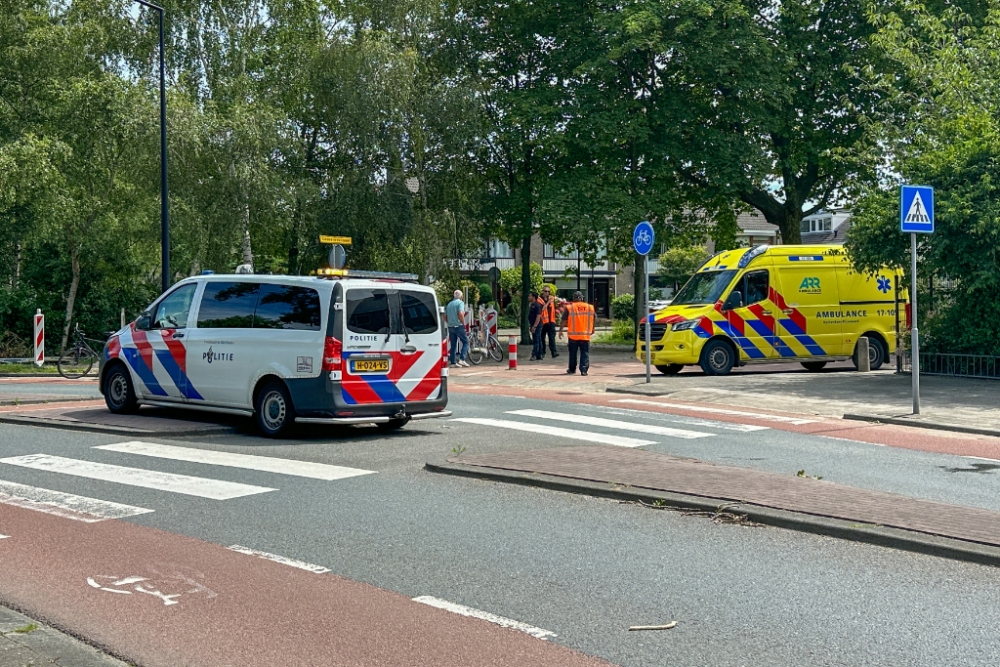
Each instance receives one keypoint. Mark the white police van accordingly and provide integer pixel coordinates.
(340, 349)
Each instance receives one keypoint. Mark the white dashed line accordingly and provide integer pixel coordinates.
(149, 479)
(246, 461)
(308, 567)
(542, 429)
(485, 616)
(720, 411)
(65, 505)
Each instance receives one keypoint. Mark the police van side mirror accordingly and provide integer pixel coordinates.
(142, 323)
(735, 300)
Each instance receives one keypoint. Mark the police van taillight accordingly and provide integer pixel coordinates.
(332, 354)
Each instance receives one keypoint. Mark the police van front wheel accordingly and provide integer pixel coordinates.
(717, 358)
(119, 394)
(274, 412)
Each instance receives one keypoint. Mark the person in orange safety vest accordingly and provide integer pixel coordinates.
(548, 322)
(579, 321)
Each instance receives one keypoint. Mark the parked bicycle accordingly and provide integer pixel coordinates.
(78, 359)
(483, 343)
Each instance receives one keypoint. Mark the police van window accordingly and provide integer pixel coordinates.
(227, 305)
(755, 287)
(172, 312)
(287, 307)
(418, 312)
(368, 311)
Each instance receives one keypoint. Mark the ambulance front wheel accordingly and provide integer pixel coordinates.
(670, 369)
(717, 358)
(274, 412)
(119, 393)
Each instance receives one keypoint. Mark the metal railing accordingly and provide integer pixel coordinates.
(954, 365)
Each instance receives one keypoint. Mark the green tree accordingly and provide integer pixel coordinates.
(679, 264)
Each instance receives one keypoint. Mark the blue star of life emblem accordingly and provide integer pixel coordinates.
(884, 285)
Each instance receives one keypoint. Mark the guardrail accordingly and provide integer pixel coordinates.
(955, 365)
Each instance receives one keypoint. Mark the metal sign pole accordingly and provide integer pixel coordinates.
(914, 332)
(645, 316)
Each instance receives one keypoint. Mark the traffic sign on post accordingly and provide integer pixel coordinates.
(642, 241)
(916, 209)
(916, 216)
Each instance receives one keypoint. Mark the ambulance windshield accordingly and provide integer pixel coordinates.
(703, 288)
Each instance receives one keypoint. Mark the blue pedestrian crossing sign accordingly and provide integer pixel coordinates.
(916, 209)
(642, 238)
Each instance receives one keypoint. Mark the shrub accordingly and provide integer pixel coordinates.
(622, 333)
(623, 307)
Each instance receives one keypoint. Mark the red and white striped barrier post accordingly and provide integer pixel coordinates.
(39, 338)
(512, 353)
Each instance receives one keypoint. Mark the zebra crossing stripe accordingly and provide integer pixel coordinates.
(720, 411)
(689, 421)
(148, 479)
(542, 429)
(612, 423)
(462, 610)
(245, 461)
(65, 505)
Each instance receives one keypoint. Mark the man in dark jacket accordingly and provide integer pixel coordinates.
(535, 322)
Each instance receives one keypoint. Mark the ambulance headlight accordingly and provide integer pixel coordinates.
(686, 325)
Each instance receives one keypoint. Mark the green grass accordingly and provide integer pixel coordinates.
(28, 368)
(26, 629)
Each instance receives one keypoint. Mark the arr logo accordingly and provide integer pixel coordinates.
(810, 284)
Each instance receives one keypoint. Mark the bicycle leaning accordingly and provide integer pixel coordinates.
(77, 360)
(483, 343)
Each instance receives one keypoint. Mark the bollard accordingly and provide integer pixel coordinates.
(39, 338)
(864, 361)
(512, 353)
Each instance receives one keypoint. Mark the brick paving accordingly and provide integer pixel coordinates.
(661, 472)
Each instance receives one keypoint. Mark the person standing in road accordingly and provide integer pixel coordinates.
(535, 322)
(579, 320)
(548, 304)
(455, 315)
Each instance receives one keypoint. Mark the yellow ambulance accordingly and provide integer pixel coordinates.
(775, 303)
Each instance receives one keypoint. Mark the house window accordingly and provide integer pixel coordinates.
(497, 249)
(804, 227)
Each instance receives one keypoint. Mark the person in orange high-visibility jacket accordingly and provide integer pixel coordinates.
(579, 321)
(548, 322)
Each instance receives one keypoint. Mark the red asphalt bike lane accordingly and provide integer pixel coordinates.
(905, 437)
(203, 605)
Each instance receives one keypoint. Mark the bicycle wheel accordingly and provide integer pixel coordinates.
(475, 355)
(75, 362)
(494, 349)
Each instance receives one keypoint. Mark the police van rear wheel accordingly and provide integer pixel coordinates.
(119, 394)
(717, 358)
(670, 369)
(274, 413)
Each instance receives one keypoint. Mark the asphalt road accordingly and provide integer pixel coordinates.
(585, 569)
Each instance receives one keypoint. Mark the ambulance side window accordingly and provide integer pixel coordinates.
(755, 287)
(172, 312)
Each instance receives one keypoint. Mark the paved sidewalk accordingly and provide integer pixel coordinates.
(26, 643)
(795, 502)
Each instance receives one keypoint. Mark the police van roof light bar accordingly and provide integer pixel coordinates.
(373, 275)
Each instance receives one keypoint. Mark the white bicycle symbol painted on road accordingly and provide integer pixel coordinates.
(168, 583)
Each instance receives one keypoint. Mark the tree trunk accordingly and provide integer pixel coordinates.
(525, 286)
(71, 300)
(787, 220)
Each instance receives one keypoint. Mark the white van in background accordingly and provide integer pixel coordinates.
(285, 349)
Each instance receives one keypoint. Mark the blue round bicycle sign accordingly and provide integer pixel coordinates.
(642, 237)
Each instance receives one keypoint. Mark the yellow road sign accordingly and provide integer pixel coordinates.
(342, 240)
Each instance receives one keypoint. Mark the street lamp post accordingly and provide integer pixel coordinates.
(164, 205)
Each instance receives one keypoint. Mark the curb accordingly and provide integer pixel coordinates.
(41, 401)
(937, 426)
(893, 538)
(113, 430)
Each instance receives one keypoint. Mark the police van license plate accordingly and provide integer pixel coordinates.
(369, 366)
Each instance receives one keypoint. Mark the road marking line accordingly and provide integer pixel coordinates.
(982, 458)
(149, 479)
(612, 423)
(485, 616)
(246, 461)
(4, 537)
(690, 421)
(65, 505)
(302, 565)
(617, 440)
(720, 411)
